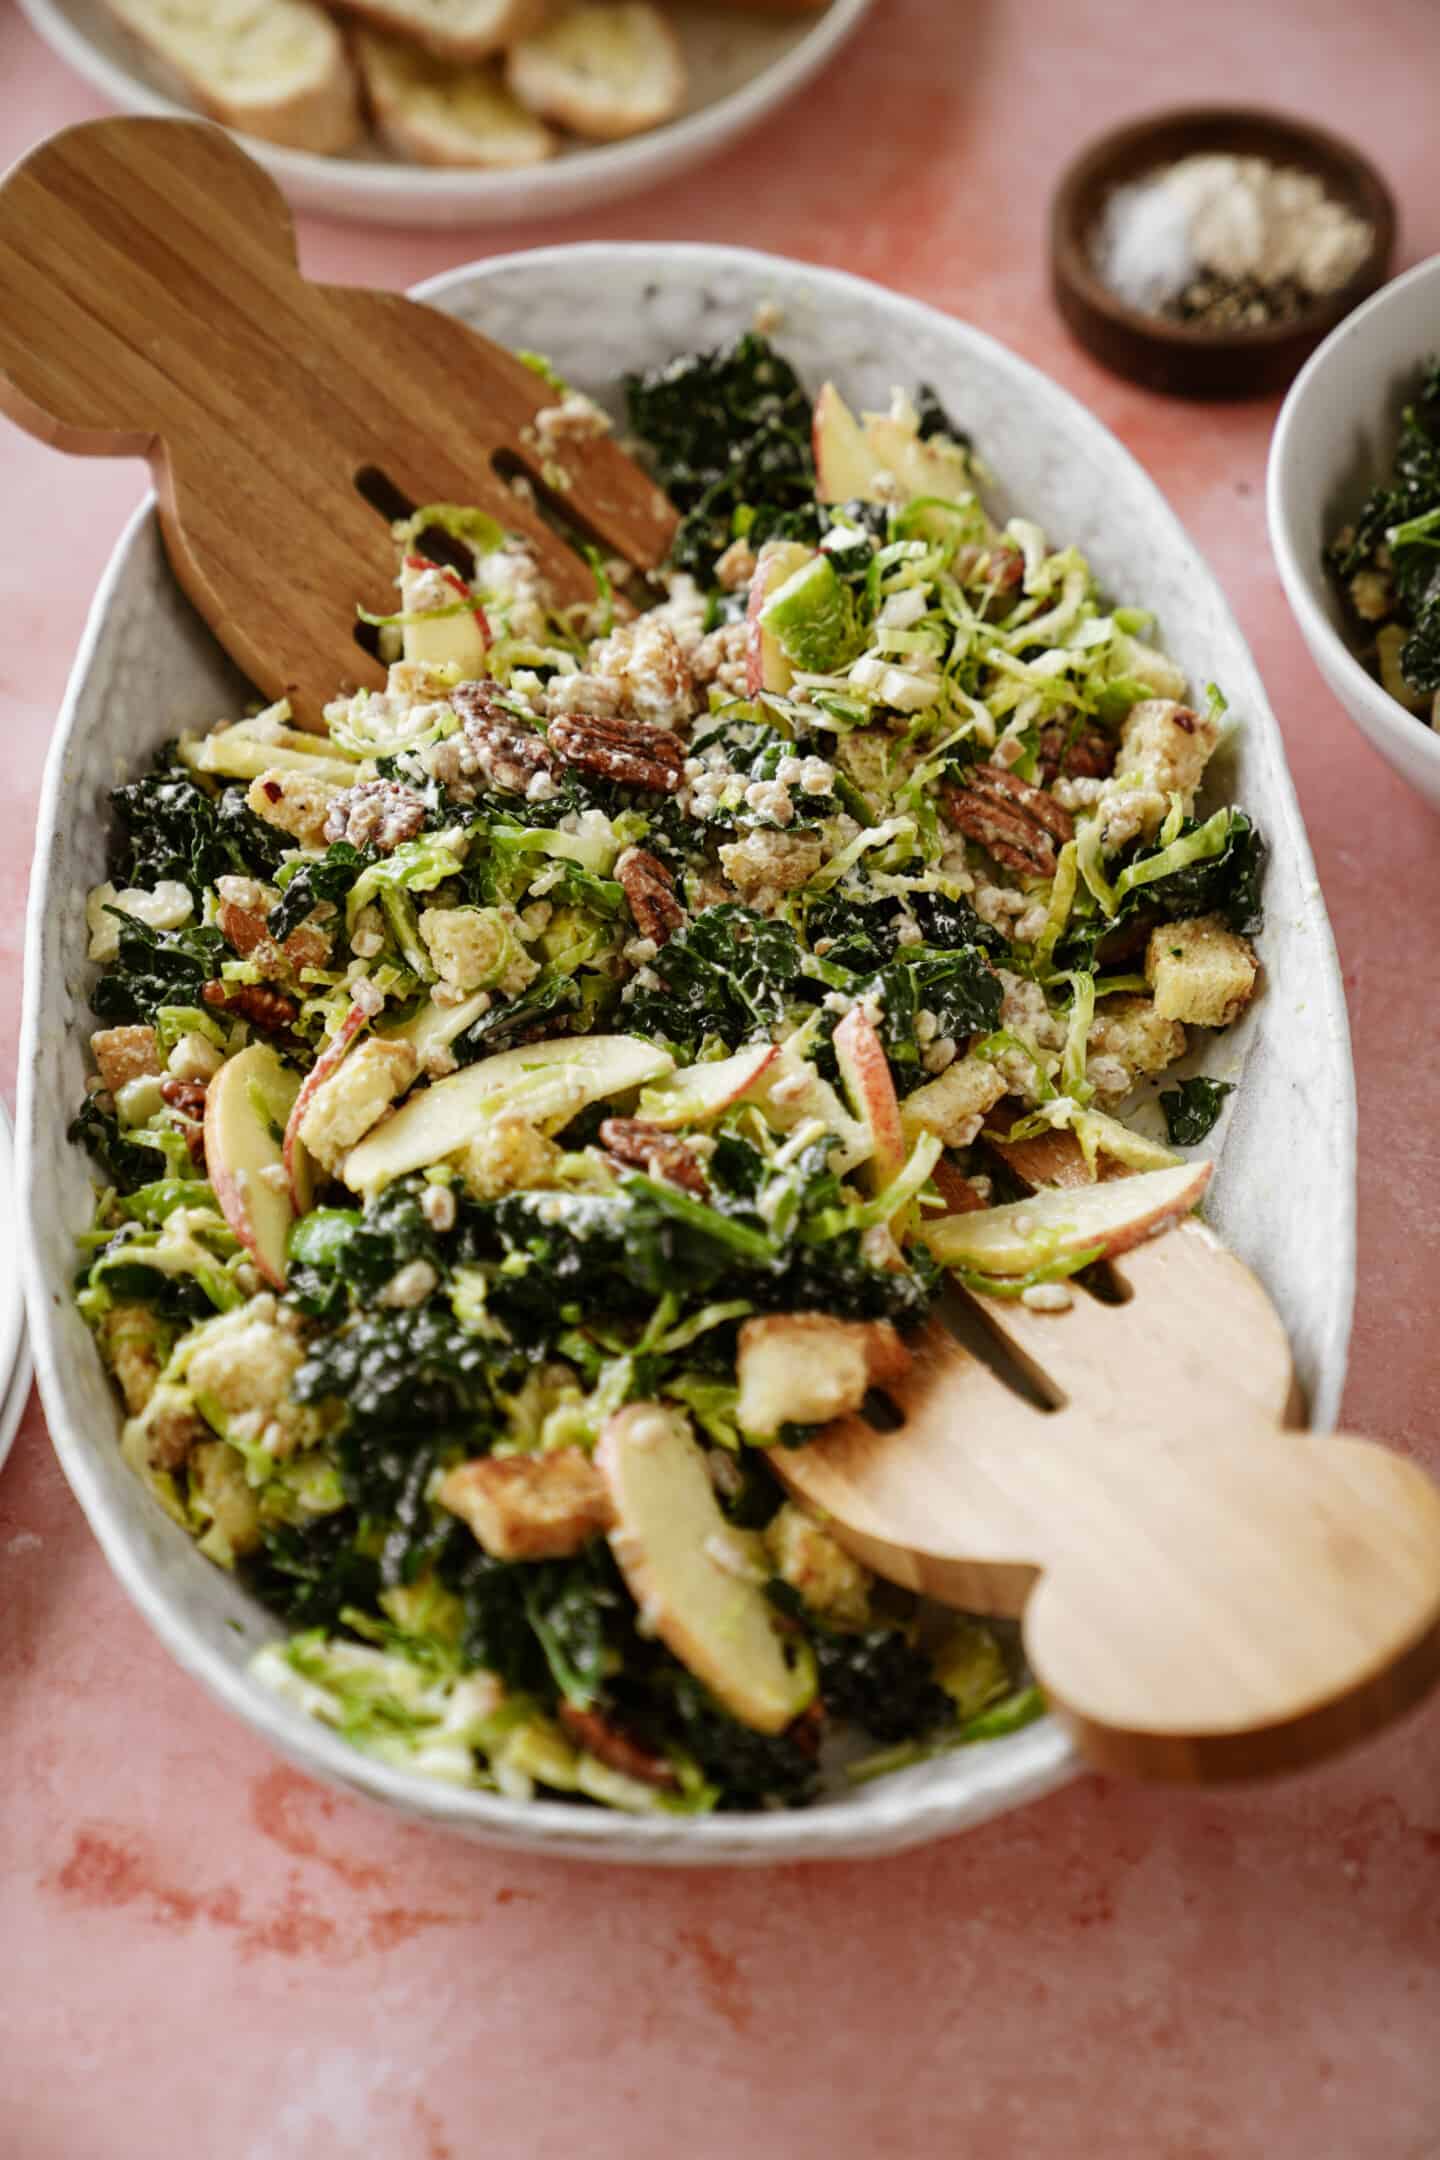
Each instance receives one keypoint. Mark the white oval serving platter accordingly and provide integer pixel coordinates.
(1284, 1192)
(741, 65)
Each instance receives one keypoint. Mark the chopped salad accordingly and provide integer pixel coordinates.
(529, 1108)
(1387, 561)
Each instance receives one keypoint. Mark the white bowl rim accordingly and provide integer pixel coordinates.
(373, 183)
(1021, 1768)
(1298, 577)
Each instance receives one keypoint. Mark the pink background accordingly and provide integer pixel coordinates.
(204, 1952)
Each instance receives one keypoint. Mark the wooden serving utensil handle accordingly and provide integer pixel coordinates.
(1245, 1604)
(151, 305)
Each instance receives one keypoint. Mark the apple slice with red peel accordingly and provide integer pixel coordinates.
(865, 1070)
(851, 455)
(247, 1108)
(699, 1092)
(1059, 1222)
(692, 1575)
(436, 639)
(766, 667)
(845, 465)
(298, 1166)
(546, 1082)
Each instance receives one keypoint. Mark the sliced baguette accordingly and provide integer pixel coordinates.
(453, 29)
(273, 68)
(441, 113)
(603, 71)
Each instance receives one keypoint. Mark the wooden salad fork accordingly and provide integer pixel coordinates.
(151, 306)
(1203, 1593)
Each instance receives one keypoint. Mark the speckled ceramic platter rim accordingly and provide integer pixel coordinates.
(391, 191)
(1284, 1194)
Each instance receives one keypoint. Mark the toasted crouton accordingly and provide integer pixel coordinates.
(1168, 745)
(806, 1368)
(445, 112)
(1129, 1037)
(272, 68)
(296, 802)
(529, 1507)
(123, 1054)
(508, 1154)
(1200, 971)
(807, 1557)
(952, 1106)
(344, 1107)
(771, 862)
(136, 1345)
(603, 71)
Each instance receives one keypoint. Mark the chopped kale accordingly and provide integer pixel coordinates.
(729, 432)
(168, 827)
(329, 877)
(878, 1680)
(727, 972)
(126, 1164)
(1402, 518)
(411, 1371)
(309, 1573)
(748, 1767)
(1192, 1109)
(154, 968)
(935, 420)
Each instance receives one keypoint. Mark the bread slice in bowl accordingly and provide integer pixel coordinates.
(602, 70)
(446, 113)
(273, 68)
(453, 29)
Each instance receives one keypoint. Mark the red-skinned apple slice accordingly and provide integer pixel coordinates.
(298, 1166)
(546, 1082)
(438, 639)
(766, 667)
(703, 1091)
(247, 1105)
(1059, 1222)
(672, 1545)
(851, 454)
(865, 1070)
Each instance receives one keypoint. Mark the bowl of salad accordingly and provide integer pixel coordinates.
(1354, 512)
(464, 1149)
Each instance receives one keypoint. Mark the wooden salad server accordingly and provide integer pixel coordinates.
(1203, 1594)
(151, 306)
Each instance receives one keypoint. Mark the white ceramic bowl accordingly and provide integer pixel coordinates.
(1333, 441)
(1283, 1194)
(741, 66)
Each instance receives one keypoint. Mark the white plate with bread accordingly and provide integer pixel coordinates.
(456, 112)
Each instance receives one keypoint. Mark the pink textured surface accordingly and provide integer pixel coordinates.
(204, 1952)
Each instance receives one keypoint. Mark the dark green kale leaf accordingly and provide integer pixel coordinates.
(340, 1257)
(583, 1619)
(1403, 516)
(1192, 1108)
(412, 1371)
(1229, 884)
(728, 972)
(875, 1679)
(309, 1573)
(125, 1163)
(154, 968)
(729, 434)
(329, 877)
(496, 1632)
(960, 988)
(749, 1768)
(548, 999)
(169, 827)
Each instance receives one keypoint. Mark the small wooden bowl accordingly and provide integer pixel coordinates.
(1193, 359)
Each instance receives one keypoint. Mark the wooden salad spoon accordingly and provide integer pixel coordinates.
(1202, 1594)
(151, 306)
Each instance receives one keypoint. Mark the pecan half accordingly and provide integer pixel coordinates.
(269, 1010)
(1017, 823)
(375, 813)
(609, 1745)
(621, 750)
(246, 933)
(639, 1145)
(1088, 754)
(650, 890)
(185, 1097)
